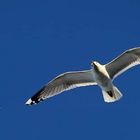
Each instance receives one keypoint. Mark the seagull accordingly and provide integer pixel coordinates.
(101, 75)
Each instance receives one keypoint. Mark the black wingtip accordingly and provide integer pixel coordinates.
(32, 102)
(36, 98)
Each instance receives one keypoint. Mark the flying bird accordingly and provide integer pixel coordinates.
(101, 75)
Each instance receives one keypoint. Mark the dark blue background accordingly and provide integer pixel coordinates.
(41, 39)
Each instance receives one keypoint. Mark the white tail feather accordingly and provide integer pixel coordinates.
(116, 95)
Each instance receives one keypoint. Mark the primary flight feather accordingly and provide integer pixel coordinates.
(101, 75)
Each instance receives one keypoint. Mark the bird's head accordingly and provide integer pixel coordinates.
(95, 65)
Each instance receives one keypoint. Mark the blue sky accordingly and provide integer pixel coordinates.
(41, 39)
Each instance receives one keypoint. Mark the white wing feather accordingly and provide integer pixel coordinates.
(128, 59)
(62, 83)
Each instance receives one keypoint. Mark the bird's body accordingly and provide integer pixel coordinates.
(103, 80)
(101, 75)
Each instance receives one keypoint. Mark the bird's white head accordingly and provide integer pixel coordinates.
(95, 65)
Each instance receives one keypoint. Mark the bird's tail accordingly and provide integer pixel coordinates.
(111, 96)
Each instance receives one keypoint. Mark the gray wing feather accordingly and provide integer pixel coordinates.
(62, 83)
(123, 62)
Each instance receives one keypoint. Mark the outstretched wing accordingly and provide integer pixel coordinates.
(62, 83)
(123, 62)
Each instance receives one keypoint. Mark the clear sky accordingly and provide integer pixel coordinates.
(41, 39)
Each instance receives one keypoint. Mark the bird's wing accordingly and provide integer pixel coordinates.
(62, 83)
(123, 62)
